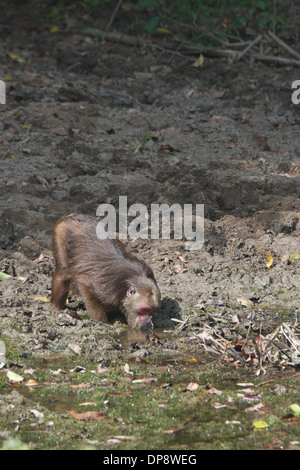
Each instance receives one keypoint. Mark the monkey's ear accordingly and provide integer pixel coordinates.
(131, 291)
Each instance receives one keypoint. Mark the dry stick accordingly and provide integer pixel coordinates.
(114, 14)
(284, 45)
(279, 60)
(241, 54)
(186, 47)
(189, 48)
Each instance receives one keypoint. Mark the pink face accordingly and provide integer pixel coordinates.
(144, 311)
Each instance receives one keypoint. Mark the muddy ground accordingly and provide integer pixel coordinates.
(223, 135)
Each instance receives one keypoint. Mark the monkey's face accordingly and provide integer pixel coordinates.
(142, 300)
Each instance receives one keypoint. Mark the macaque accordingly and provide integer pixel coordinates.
(107, 277)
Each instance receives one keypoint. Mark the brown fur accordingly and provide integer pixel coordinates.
(108, 278)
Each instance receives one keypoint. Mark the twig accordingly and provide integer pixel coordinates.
(284, 45)
(185, 46)
(279, 60)
(241, 54)
(113, 15)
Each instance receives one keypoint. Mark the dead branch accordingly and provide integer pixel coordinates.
(253, 43)
(275, 59)
(284, 45)
(181, 48)
(113, 15)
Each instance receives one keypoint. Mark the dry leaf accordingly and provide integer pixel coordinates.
(219, 93)
(260, 425)
(127, 370)
(289, 257)
(39, 259)
(199, 62)
(147, 380)
(192, 360)
(54, 29)
(75, 348)
(192, 386)
(38, 414)
(219, 406)
(82, 385)
(244, 301)
(163, 31)
(113, 441)
(43, 299)
(213, 390)
(87, 415)
(179, 270)
(13, 377)
(31, 383)
(270, 260)
(41, 179)
(14, 56)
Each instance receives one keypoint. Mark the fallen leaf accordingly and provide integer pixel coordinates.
(82, 385)
(75, 348)
(290, 257)
(165, 385)
(270, 260)
(87, 415)
(113, 441)
(42, 299)
(163, 31)
(101, 370)
(192, 386)
(166, 148)
(78, 369)
(255, 408)
(175, 428)
(179, 270)
(219, 93)
(15, 56)
(54, 29)
(31, 383)
(219, 406)
(199, 62)
(213, 390)
(42, 180)
(13, 377)
(244, 301)
(39, 259)
(4, 276)
(295, 409)
(260, 425)
(38, 414)
(127, 370)
(147, 380)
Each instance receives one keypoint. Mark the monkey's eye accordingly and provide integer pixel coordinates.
(131, 291)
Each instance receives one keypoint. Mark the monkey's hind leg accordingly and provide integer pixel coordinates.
(60, 290)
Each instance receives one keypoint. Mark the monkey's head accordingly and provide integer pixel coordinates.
(142, 300)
